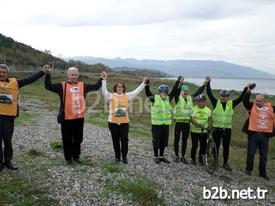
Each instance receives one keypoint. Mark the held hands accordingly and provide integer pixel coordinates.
(47, 69)
(250, 86)
(103, 75)
(207, 79)
(180, 79)
(146, 80)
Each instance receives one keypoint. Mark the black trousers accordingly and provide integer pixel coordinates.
(160, 134)
(72, 137)
(184, 129)
(255, 141)
(196, 138)
(120, 139)
(6, 132)
(224, 135)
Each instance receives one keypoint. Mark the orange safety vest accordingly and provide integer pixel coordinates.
(9, 93)
(74, 100)
(261, 119)
(120, 108)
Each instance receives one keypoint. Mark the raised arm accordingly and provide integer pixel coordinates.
(177, 89)
(93, 87)
(240, 98)
(136, 92)
(199, 91)
(149, 93)
(57, 88)
(209, 92)
(172, 93)
(31, 79)
(246, 103)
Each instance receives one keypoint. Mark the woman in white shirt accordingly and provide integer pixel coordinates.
(118, 120)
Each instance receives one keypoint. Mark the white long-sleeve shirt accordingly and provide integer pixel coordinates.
(109, 96)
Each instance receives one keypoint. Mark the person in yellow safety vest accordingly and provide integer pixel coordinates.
(72, 93)
(161, 118)
(182, 114)
(201, 120)
(118, 120)
(9, 97)
(222, 114)
(259, 127)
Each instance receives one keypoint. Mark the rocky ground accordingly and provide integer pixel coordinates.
(99, 181)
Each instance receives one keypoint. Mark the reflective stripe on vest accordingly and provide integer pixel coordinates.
(261, 119)
(9, 93)
(183, 109)
(161, 111)
(120, 108)
(223, 118)
(201, 115)
(74, 100)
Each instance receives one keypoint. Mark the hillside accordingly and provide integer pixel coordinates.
(191, 68)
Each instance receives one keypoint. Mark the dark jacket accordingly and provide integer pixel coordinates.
(248, 105)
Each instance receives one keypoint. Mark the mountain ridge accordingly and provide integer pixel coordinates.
(192, 68)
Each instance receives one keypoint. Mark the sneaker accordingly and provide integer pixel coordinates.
(163, 159)
(125, 161)
(248, 172)
(117, 160)
(184, 160)
(193, 162)
(227, 167)
(69, 162)
(10, 166)
(201, 161)
(77, 161)
(177, 159)
(265, 177)
(2, 166)
(157, 160)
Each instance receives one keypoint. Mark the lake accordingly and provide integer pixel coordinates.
(265, 86)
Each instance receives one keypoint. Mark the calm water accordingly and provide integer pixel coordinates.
(266, 86)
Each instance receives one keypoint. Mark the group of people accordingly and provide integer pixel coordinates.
(190, 114)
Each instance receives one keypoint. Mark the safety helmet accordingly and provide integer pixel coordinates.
(224, 93)
(200, 97)
(163, 88)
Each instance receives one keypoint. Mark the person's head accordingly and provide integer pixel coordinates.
(73, 74)
(224, 94)
(200, 100)
(259, 101)
(119, 88)
(163, 91)
(4, 70)
(184, 90)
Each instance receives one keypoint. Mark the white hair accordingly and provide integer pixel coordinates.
(72, 69)
(4, 67)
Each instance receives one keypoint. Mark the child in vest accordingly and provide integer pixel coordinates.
(201, 120)
(118, 121)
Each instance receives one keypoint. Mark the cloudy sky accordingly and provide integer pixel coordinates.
(237, 31)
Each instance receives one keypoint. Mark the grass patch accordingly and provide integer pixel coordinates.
(23, 118)
(34, 153)
(111, 167)
(56, 145)
(15, 190)
(141, 191)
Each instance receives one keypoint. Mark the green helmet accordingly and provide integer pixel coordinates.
(184, 88)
